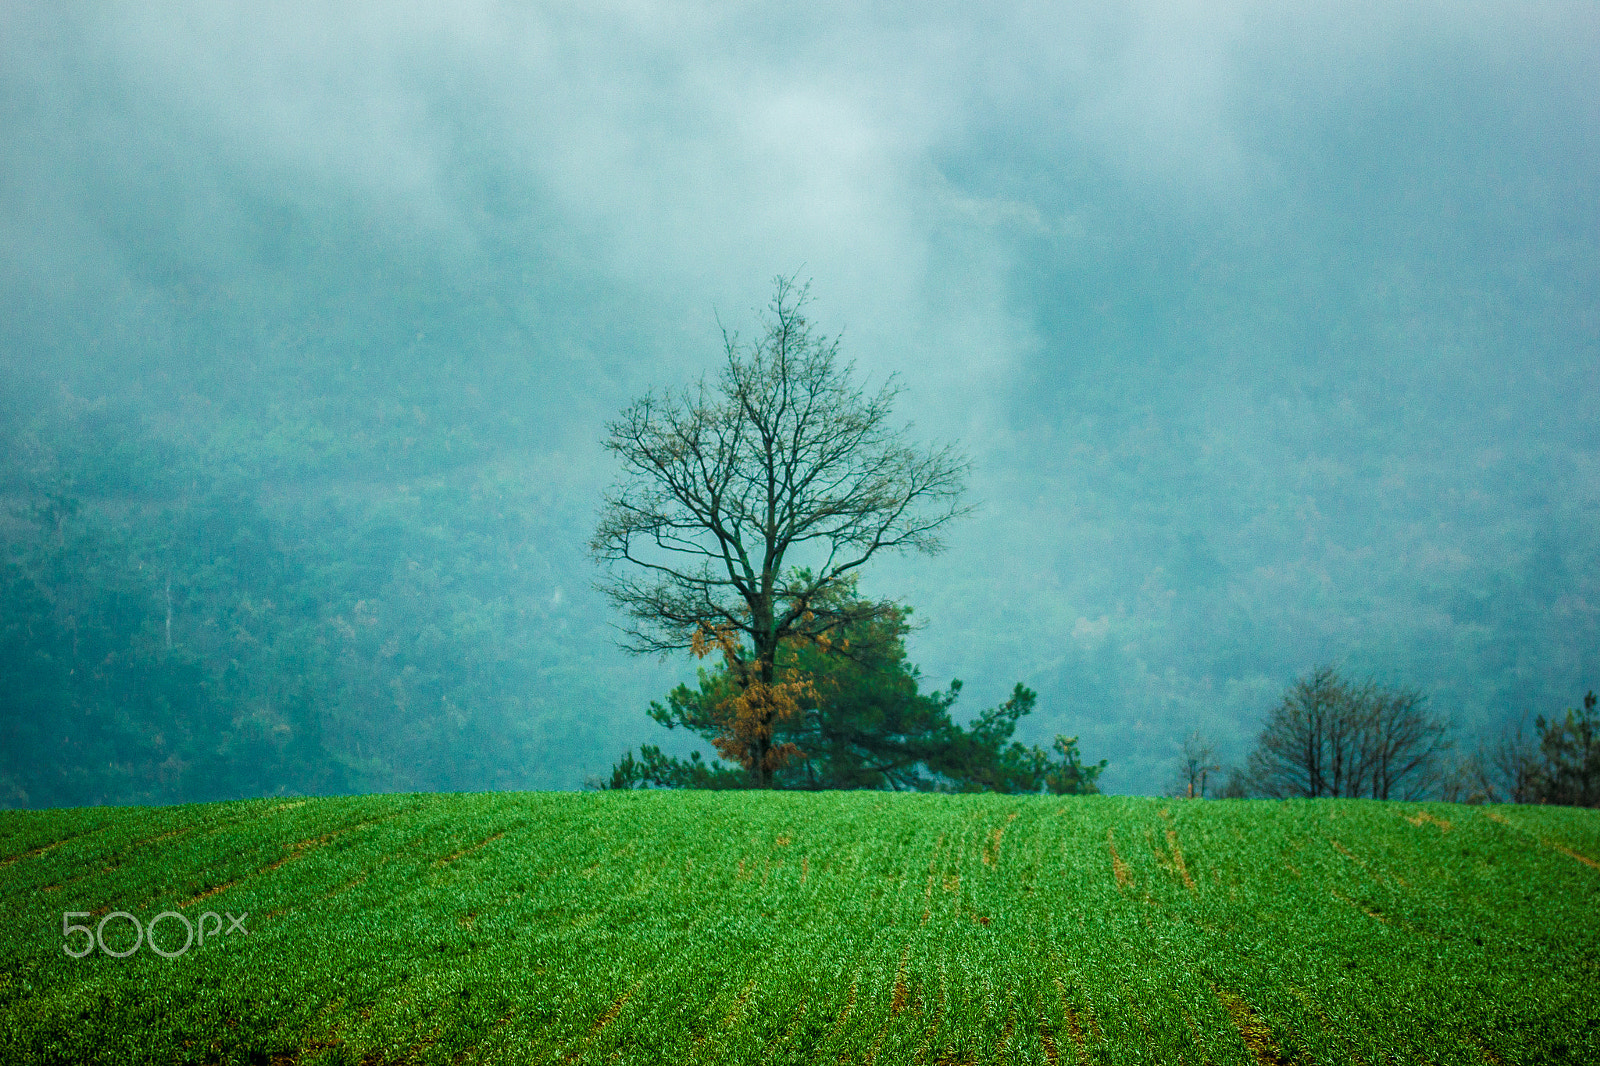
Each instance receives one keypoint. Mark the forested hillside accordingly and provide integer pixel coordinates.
(1273, 343)
(211, 611)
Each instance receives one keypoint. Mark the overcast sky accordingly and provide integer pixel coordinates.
(1273, 331)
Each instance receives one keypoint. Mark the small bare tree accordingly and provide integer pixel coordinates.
(1400, 743)
(1511, 771)
(1331, 738)
(1196, 763)
(744, 503)
(1561, 766)
(1298, 742)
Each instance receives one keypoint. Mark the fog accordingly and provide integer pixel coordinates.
(1273, 335)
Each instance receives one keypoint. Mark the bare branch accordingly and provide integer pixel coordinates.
(723, 484)
(1331, 738)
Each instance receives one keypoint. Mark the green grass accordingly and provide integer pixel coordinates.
(792, 928)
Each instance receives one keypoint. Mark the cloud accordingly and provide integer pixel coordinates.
(1166, 267)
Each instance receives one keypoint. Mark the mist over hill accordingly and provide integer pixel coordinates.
(1273, 340)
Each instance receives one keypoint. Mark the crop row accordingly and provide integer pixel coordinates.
(789, 928)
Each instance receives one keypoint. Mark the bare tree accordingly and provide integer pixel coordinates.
(1508, 770)
(1512, 770)
(1196, 764)
(1569, 750)
(1401, 743)
(745, 502)
(1293, 751)
(1561, 766)
(1331, 738)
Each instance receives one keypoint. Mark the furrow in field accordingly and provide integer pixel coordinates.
(1138, 1015)
(1568, 851)
(1423, 818)
(736, 1009)
(1194, 1034)
(712, 1044)
(933, 865)
(1005, 1037)
(1177, 858)
(311, 1047)
(122, 859)
(89, 874)
(1327, 1024)
(158, 838)
(1341, 897)
(877, 1044)
(787, 1035)
(417, 1050)
(600, 1024)
(991, 850)
(902, 992)
(1047, 1041)
(1503, 820)
(1257, 1036)
(610, 1013)
(464, 852)
(1489, 1056)
(360, 879)
(925, 1046)
(295, 851)
(1073, 1025)
(33, 853)
(1119, 869)
(490, 1034)
(849, 1005)
(1358, 860)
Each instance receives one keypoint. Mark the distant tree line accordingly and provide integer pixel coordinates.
(1330, 737)
(171, 631)
(1559, 763)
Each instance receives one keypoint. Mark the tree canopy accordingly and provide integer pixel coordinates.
(1561, 766)
(860, 721)
(746, 504)
(1330, 737)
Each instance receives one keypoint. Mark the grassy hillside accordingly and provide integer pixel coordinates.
(790, 928)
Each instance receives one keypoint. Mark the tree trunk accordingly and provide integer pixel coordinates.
(766, 672)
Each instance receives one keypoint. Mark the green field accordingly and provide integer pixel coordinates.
(656, 927)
